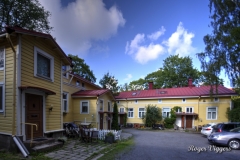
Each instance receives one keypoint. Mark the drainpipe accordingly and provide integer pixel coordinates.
(14, 82)
(198, 110)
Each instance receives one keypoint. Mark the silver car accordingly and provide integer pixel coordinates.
(207, 129)
(230, 139)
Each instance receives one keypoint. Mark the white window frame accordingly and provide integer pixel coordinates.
(131, 112)
(141, 112)
(109, 106)
(211, 112)
(136, 101)
(166, 112)
(189, 109)
(2, 68)
(118, 101)
(82, 106)
(67, 73)
(3, 97)
(63, 100)
(100, 105)
(51, 58)
(77, 83)
(184, 100)
(121, 110)
(159, 100)
(216, 99)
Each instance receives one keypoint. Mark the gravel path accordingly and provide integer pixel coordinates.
(151, 145)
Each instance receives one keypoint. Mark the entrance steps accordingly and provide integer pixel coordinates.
(42, 144)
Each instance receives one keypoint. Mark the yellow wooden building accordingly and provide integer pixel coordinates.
(197, 107)
(38, 91)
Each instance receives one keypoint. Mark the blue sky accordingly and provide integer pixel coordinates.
(129, 38)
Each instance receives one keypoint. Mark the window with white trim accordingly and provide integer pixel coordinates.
(2, 58)
(43, 65)
(2, 97)
(183, 100)
(166, 112)
(121, 110)
(216, 99)
(160, 101)
(65, 102)
(189, 109)
(136, 101)
(64, 71)
(141, 112)
(77, 83)
(130, 112)
(100, 105)
(109, 107)
(84, 107)
(118, 101)
(211, 112)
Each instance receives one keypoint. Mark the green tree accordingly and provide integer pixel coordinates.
(140, 84)
(153, 115)
(82, 69)
(108, 81)
(28, 14)
(222, 49)
(124, 87)
(169, 121)
(115, 125)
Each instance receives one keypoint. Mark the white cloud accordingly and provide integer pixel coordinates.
(81, 22)
(180, 42)
(156, 35)
(129, 76)
(141, 53)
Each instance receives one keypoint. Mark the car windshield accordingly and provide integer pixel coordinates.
(235, 130)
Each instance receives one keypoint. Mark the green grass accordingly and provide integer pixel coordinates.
(114, 149)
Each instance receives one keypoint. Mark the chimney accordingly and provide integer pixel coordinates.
(190, 82)
(150, 85)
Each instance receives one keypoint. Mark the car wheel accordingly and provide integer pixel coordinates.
(234, 144)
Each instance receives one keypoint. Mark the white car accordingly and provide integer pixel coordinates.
(207, 129)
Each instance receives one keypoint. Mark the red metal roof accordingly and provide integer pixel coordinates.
(91, 93)
(174, 92)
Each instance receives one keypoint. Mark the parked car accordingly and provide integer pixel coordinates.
(207, 129)
(230, 139)
(225, 127)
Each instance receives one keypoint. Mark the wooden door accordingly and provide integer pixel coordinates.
(101, 121)
(34, 114)
(189, 121)
(122, 119)
(109, 122)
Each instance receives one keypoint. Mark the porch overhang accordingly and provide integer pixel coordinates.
(186, 114)
(47, 91)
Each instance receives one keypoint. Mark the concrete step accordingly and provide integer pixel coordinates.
(47, 146)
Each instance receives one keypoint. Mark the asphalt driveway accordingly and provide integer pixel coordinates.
(150, 145)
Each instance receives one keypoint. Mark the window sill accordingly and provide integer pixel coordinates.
(44, 78)
(84, 113)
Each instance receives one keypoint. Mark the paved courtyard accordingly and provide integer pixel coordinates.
(165, 145)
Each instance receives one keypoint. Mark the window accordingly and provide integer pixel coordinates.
(101, 105)
(130, 113)
(165, 112)
(183, 100)
(189, 110)
(83, 85)
(216, 99)
(141, 112)
(64, 69)
(77, 83)
(121, 110)
(109, 106)
(2, 58)
(211, 112)
(2, 97)
(159, 101)
(136, 101)
(65, 102)
(84, 107)
(43, 65)
(118, 101)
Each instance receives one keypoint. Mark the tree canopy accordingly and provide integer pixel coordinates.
(109, 82)
(82, 69)
(175, 73)
(222, 49)
(28, 14)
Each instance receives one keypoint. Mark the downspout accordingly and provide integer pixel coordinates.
(14, 82)
(198, 111)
